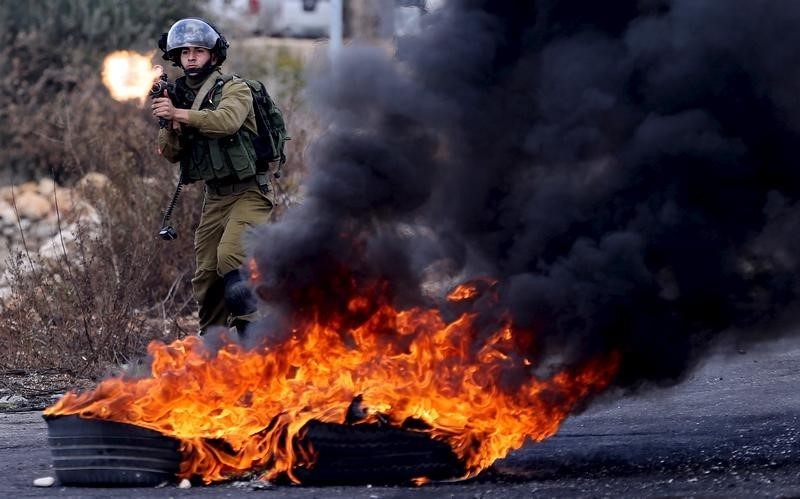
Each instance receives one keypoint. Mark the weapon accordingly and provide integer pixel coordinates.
(157, 90)
(166, 232)
(162, 83)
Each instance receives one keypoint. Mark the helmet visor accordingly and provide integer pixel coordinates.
(191, 33)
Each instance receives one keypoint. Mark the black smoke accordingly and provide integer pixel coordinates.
(627, 171)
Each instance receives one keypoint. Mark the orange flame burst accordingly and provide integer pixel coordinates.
(129, 75)
(404, 363)
(463, 292)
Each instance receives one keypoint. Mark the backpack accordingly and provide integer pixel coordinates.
(272, 135)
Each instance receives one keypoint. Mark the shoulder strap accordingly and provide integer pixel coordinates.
(210, 85)
(201, 94)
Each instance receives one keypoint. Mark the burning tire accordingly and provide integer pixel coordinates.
(90, 452)
(372, 454)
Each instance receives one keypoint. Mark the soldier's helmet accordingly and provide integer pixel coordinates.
(192, 32)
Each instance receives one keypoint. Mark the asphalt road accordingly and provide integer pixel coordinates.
(730, 430)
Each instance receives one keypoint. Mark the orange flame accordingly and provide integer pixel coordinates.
(463, 292)
(252, 266)
(404, 363)
(129, 75)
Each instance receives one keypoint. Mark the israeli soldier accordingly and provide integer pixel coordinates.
(209, 134)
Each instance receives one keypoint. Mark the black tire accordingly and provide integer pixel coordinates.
(97, 453)
(372, 454)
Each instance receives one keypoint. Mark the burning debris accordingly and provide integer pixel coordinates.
(96, 452)
(625, 173)
(238, 410)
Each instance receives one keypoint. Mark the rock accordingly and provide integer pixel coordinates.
(7, 214)
(27, 187)
(45, 481)
(54, 247)
(32, 205)
(66, 200)
(93, 181)
(185, 484)
(6, 193)
(85, 213)
(46, 187)
(44, 229)
(12, 400)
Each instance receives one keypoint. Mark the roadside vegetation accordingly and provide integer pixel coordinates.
(113, 286)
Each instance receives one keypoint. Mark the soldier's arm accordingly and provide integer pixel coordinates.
(169, 144)
(234, 109)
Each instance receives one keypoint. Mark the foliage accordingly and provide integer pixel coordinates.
(47, 49)
(46, 35)
(104, 299)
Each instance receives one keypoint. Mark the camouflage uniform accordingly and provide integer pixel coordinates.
(215, 147)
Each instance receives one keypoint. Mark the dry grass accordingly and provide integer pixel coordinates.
(101, 301)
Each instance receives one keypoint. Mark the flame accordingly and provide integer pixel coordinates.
(238, 410)
(466, 291)
(252, 266)
(129, 75)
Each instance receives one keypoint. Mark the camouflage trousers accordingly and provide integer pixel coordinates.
(219, 248)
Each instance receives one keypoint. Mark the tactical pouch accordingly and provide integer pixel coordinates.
(238, 155)
(222, 158)
(195, 164)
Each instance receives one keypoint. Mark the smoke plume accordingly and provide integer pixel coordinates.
(625, 170)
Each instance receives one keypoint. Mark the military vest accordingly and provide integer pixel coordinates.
(204, 158)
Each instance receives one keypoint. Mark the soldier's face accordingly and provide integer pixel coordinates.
(194, 57)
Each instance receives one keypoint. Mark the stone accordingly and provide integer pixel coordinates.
(7, 214)
(66, 200)
(6, 192)
(12, 400)
(54, 248)
(86, 214)
(46, 187)
(45, 481)
(32, 205)
(93, 180)
(27, 187)
(44, 229)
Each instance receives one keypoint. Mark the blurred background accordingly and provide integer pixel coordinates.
(84, 282)
(312, 18)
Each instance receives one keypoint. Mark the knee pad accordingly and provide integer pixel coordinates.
(238, 298)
